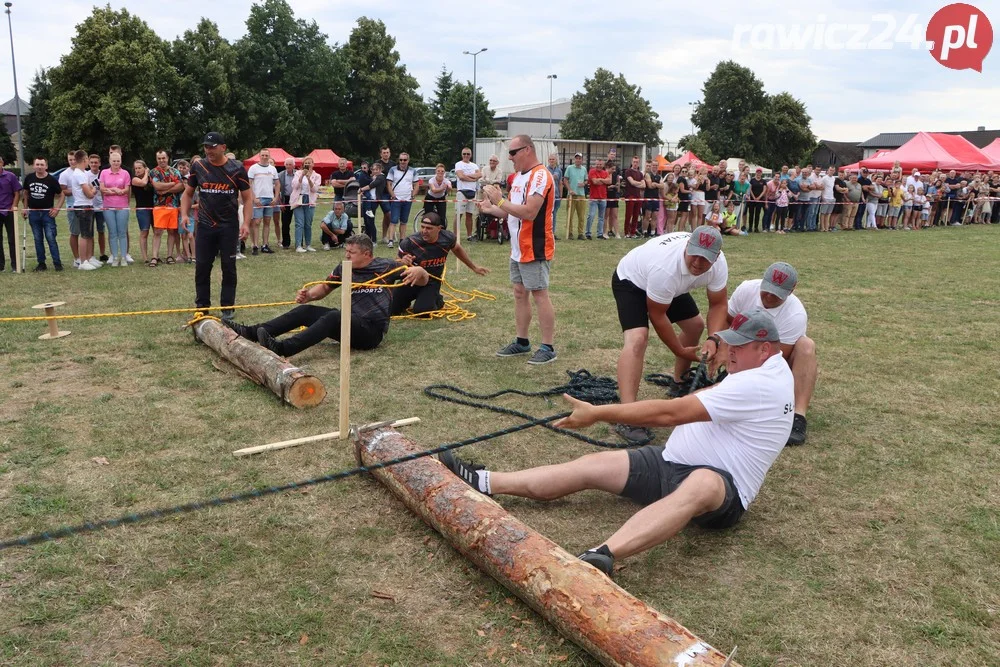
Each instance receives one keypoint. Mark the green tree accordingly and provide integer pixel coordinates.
(207, 97)
(696, 144)
(442, 88)
(8, 153)
(611, 109)
(116, 86)
(455, 127)
(382, 105)
(730, 94)
(290, 84)
(36, 126)
(779, 133)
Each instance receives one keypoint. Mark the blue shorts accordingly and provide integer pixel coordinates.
(265, 210)
(384, 205)
(144, 218)
(185, 227)
(99, 221)
(400, 211)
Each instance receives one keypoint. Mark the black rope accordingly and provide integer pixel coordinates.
(582, 385)
(692, 380)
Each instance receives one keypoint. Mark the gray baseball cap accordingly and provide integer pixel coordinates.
(750, 326)
(705, 242)
(780, 279)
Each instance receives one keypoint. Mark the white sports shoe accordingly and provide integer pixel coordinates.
(300, 249)
(240, 255)
(326, 246)
(128, 259)
(86, 266)
(94, 263)
(76, 264)
(112, 260)
(309, 248)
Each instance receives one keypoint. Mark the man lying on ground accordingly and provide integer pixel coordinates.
(370, 306)
(724, 440)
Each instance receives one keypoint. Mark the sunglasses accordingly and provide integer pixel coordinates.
(514, 151)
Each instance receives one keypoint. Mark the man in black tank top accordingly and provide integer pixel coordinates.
(223, 185)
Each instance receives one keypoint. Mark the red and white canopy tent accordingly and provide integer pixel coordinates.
(856, 166)
(928, 151)
(689, 158)
(325, 162)
(279, 155)
(993, 150)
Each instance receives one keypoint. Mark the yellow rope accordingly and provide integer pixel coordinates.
(452, 311)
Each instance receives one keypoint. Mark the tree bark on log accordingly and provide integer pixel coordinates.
(288, 382)
(583, 604)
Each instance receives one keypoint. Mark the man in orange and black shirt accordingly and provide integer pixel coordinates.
(532, 245)
(223, 184)
(428, 248)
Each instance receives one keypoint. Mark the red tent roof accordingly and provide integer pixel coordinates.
(689, 158)
(279, 155)
(993, 150)
(324, 157)
(928, 151)
(856, 166)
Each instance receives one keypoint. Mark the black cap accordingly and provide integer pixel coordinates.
(213, 139)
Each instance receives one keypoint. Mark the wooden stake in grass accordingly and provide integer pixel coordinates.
(333, 435)
(288, 382)
(50, 312)
(582, 603)
(19, 256)
(345, 349)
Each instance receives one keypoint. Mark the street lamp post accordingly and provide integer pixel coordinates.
(551, 78)
(475, 91)
(20, 138)
(692, 104)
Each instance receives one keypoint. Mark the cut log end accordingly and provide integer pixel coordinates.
(306, 392)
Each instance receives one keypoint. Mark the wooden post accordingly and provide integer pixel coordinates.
(285, 444)
(50, 313)
(19, 249)
(361, 217)
(345, 349)
(288, 382)
(583, 604)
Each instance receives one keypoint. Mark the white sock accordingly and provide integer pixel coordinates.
(483, 482)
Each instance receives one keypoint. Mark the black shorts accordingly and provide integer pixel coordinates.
(684, 205)
(85, 219)
(650, 479)
(632, 310)
(652, 206)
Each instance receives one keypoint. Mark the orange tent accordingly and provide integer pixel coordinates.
(689, 158)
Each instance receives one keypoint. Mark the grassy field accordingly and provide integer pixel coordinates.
(874, 544)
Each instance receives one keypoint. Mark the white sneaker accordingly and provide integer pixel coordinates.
(128, 259)
(95, 263)
(240, 255)
(388, 244)
(326, 246)
(76, 264)
(87, 266)
(300, 249)
(309, 248)
(112, 260)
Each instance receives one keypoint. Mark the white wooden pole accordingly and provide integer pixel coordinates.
(345, 349)
(295, 442)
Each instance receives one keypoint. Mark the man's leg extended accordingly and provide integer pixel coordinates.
(703, 491)
(630, 363)
(605, 471)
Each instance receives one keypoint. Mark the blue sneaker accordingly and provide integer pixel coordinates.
(513, 350)
(542, 356)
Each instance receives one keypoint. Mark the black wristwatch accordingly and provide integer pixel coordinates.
(715, 339)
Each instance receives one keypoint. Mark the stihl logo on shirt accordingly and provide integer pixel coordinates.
(739, 321)
(778, 277)
(705, 240)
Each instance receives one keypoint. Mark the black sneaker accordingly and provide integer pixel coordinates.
(103, 258)
(633, 435)
(589, 238)
(266, 249)
(229, 315)
(798, 434)
(241, 329)
(255, 251)
(604, 562)
(466, 470)
(270, 342)
(40, 267)
(57, 267)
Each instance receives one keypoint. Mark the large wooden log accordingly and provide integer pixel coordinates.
(585, 606)
(288, 382)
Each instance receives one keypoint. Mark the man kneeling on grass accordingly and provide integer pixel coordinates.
(369, 305)
(714, 462)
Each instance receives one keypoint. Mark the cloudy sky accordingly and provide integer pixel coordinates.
(668, 49)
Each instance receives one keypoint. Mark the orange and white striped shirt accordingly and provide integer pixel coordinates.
(532, 239)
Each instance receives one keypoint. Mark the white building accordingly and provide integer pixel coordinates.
(531, 119)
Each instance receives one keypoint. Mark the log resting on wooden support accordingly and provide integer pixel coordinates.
(585, 606)
(288, 382)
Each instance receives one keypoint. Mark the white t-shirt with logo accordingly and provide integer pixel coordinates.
(262, 180)
(77, 180)
(751, 413)
(658, 267)
(790, 317)
(401, 182)
(468, 168)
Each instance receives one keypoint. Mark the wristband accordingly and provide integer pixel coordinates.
(715, 339)
(500, 203)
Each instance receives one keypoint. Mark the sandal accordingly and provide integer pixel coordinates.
(170, 260)
(153, 263)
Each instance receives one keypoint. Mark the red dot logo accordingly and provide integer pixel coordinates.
(960, 36)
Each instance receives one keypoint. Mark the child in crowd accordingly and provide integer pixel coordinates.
(185, 228)
(781, 207)
(671, 201)
(909, 206)
(730, 220)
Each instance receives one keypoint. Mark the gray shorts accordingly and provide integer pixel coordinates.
(533, 275)
(880, 209)
(826, 208)
(74, 224)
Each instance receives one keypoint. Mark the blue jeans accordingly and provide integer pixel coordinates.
(43, 224)
(399, 211)
(117, 221)
(145, 219)
(555, 213)
(812, 216)
(799, 211)
(303, 225)
(601, 208)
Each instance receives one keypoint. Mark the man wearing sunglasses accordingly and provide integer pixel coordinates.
(529, 219)
(468, 174)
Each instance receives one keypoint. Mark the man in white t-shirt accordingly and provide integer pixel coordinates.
(652, 285)
(468, 174)
(725, 439)
(774, 294)
(827, 180)
(266, 190)
(399, 185)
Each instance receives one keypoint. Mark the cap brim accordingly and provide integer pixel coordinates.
(780, 292)
(703, 252)
(735, 338)
(211, 145)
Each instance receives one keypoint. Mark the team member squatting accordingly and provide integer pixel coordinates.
(724, 440)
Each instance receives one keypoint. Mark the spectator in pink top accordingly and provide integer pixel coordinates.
(115, 187)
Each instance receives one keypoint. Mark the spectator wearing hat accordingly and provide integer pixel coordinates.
(652, 286)
(724, 440)
(773, 293)
(574, 179)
